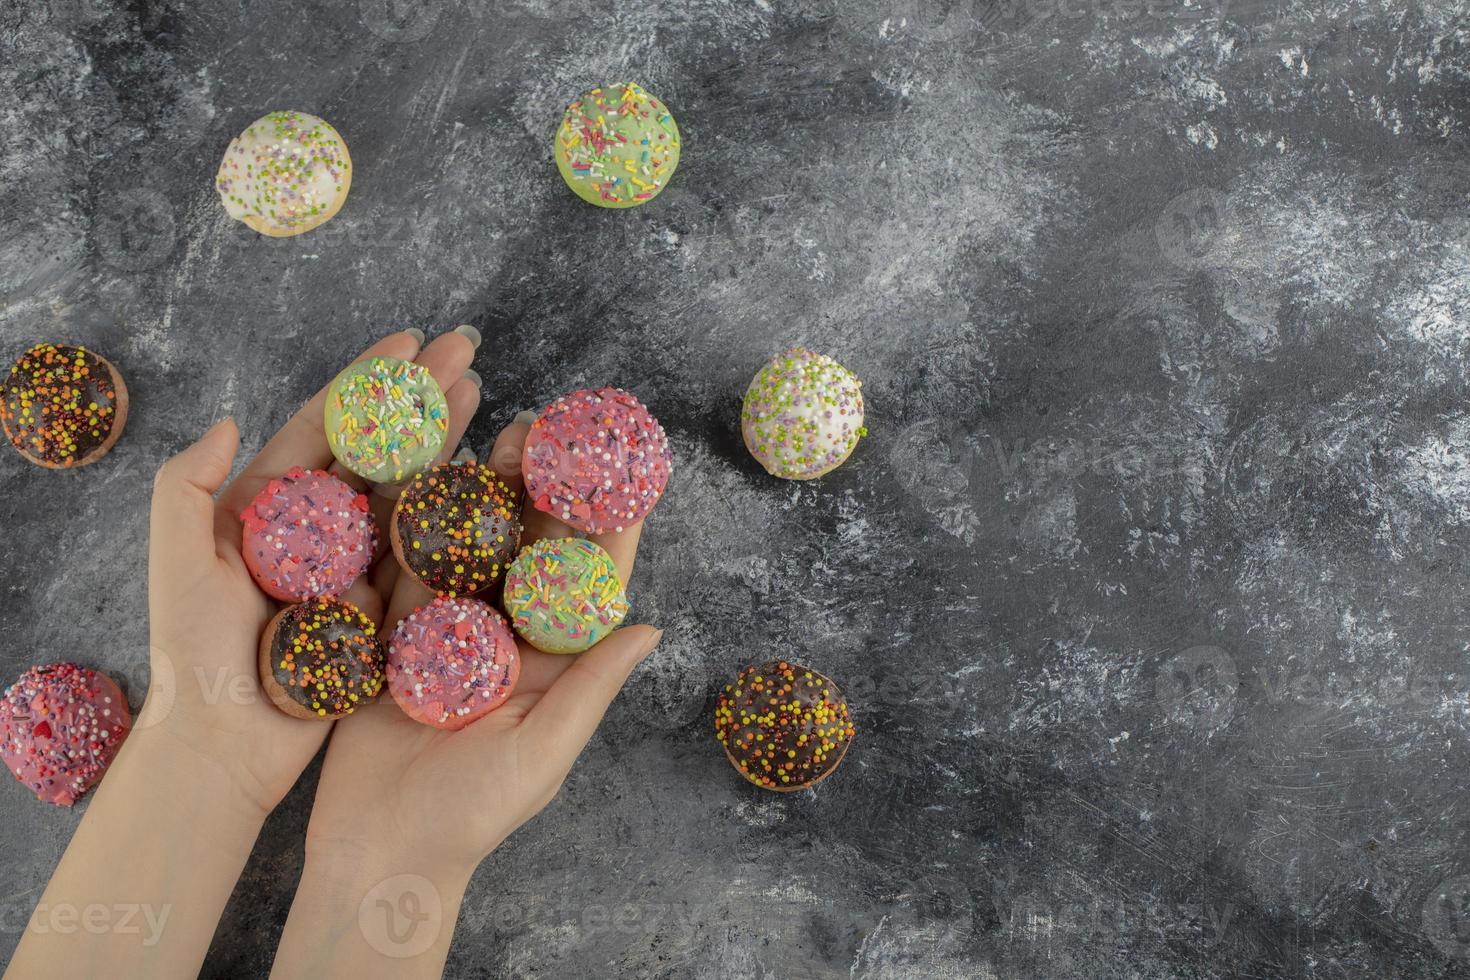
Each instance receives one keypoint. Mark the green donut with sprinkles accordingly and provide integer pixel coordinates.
(386, 419)
(617, 146)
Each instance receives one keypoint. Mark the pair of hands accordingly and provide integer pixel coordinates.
(393, 793)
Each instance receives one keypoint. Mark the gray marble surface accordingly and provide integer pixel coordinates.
(1147, 586)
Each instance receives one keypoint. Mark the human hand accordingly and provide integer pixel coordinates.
(398, 798)
(205, 612)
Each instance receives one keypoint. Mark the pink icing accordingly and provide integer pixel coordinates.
(308, 534)
(60, 729)
(596, 460)
(451, 662)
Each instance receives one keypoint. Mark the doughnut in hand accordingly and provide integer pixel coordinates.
(451, 662)
(286, 174)
(785, 727)
(307, 534)
(596, 460)
(60, 727)
(456, 527)
(617, 146)
(563, 595)
(63, 406)
(386, 419)
(803, 415)
(321, 659)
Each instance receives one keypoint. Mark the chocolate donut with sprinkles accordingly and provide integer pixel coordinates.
(785, 727)
(63, 406)
(321, 659)
(60, 728)
(617, 146)
(456, 527)
(307, 534)
(596, 460)
(453, 661)
(386, 419)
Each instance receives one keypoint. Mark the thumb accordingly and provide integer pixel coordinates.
(181, 526)
(566, 716)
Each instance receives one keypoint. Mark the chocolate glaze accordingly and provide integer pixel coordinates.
(784, 726)
(457, 527)
(59, 403)
(342, 665)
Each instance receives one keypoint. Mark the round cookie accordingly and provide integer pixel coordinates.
(307, 534)
(321, 659)
(617, 146)
(596, 460)
(60, 728)
(451, 662)
(286, 174)
(456, 527)
(785, 727)
(386, 419)
(563, 595)
(63, 406)
(803, 415)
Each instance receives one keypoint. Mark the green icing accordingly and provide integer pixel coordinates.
(617, 146)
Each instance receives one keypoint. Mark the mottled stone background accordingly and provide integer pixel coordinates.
(1147, 586)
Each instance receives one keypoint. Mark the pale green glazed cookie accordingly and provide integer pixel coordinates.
(617, 146)
(386, 419)
(563, 595)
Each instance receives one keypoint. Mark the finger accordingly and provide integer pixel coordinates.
(505, 455)
(302, 441)
(622, 546)
(181, 536)
(366, 598)
(566, 716)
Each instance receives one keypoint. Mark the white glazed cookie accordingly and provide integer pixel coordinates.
(803, 415)
(286, 174)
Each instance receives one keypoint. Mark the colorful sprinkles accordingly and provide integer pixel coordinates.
(563, 595)
(326, 656)
(596, 460)
(59, 404)
(617, 146)
(60, 729)
(456, 527)
(287, 173)
(307, 534)
(785, 727)
(386, 419)
(453, 661)
(803, 415)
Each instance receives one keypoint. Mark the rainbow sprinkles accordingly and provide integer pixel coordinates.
(386, 419)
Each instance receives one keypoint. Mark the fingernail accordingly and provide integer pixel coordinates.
(527, 417)
(473, 376)
(416, 334)
(468, 331)
(653, 642)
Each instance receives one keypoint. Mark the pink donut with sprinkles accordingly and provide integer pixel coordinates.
(453, 661)
(596, 460)
(61, 728)
(307, 534)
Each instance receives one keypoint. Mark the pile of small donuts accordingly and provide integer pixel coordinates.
(595, 459)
